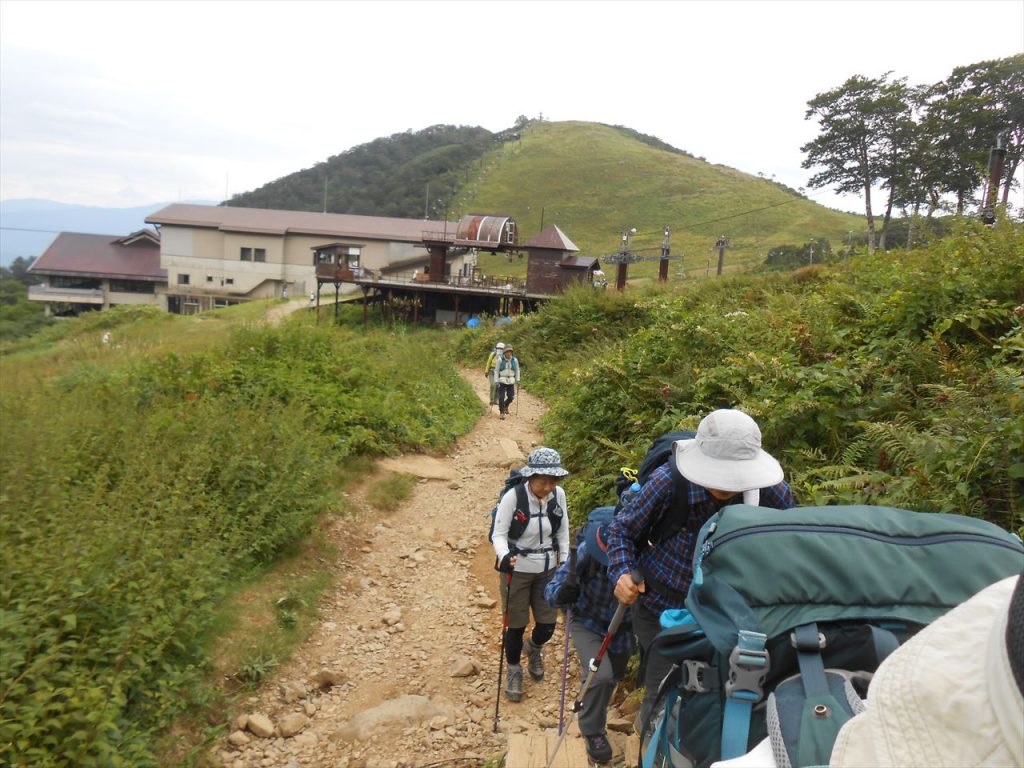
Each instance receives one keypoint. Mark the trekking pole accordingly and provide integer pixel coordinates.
(595, 663)
(501, 658)
(565, 650)
(517, 398)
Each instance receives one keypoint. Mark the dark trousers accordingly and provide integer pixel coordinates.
(506, 394)
(594, 714)
(646, 625)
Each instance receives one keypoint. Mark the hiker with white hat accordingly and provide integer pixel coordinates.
(724, 464)
(527, 561)
(492, 360)
(506, 376)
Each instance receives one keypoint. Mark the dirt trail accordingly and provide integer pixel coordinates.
(416, 599)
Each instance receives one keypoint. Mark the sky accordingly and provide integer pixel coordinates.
(121, 104)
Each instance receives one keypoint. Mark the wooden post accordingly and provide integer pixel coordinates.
(663, 266)
(620, 276)
(456, 309)
(721, 245)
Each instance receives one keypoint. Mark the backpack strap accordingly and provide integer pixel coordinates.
(677, 512)
(748, 668)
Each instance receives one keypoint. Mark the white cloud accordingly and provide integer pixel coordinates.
(186, 97)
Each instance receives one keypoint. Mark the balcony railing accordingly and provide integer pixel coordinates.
(70, 295)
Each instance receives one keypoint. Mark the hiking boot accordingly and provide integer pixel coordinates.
(535, 660)
(598, 748)
(514, 682)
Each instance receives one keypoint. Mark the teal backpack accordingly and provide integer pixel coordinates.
(790, 613)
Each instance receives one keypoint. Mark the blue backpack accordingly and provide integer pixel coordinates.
(791, 611)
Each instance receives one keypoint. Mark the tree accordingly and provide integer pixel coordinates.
(865, 126)
(968, 110)
(18, 270)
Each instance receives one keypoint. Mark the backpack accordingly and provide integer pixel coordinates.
(677, 515)
(789, 614)
(521, 516)
(598, 516)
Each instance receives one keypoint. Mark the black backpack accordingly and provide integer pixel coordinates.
(677, 516)
(521, 516)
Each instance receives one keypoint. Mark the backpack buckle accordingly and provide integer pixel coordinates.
(748, 667)
(696, 677)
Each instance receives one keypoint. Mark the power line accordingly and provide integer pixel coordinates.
(25, 229)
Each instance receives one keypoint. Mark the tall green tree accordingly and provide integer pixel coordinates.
(865, 124)
(968, 111)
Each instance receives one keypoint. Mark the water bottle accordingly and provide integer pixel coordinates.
(628, 494)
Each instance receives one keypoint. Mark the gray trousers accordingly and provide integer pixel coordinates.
(594, 714)
(646, 625)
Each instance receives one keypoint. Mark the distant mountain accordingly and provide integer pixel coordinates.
(407, 175)
(593, 180)
(28, 226)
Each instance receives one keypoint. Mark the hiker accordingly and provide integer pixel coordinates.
(951, 695)
(588, 595)
(506, 376)
(528, 562)
(723, 465)
(492, 361)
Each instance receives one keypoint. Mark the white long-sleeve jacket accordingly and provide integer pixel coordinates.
(537, 535)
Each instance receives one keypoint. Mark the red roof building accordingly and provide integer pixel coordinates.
(80, 272)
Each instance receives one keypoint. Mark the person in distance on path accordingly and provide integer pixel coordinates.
(506, 376)
(492, 361)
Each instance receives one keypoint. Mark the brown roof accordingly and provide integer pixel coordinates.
(554, 238)
(74, 253)
(583, 262)
(274, 222)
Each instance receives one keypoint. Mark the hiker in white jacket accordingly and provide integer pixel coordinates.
(529, 545)
(506, 374)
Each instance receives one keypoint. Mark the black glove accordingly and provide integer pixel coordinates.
(506, 566)
(567, 594)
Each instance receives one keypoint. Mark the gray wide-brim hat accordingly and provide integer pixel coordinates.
(544, 461)
(726, 455)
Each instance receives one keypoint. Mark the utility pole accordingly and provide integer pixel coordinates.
(663, 266)
(810, 253)
(426, 202)
(721, 245)
(996, 156)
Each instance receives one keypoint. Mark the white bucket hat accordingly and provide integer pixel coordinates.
(726, 455)
(544, 461)
(500, 345)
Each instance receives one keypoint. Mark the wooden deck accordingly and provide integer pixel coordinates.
(533, 750)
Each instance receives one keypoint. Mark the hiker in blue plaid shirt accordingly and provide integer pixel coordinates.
(723, 465)
(591, 599)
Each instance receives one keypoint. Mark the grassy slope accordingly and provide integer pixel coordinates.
(593, 181)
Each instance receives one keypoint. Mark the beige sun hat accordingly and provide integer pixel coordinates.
(726, 455)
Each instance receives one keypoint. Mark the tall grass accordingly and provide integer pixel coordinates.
(888, 380)
(137, 486)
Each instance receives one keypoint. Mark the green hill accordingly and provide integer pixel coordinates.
(592, 180)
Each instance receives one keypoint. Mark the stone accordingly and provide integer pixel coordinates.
(401, 712)
(620, 724)
(240, 722)
(292, 691)
(392, 616)
(486, 602)
(306, 740)
(328, 678)
(464, 668)
(291, 724)
(309, 708)
(238, 739)
(260, 725)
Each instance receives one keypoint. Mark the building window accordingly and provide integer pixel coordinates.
(259, 254)
(230, 280)
(209, 278)
(245, 254)
(182, 279)
(130, 286)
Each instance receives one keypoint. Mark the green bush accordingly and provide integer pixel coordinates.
(135, 492)
(893, 379)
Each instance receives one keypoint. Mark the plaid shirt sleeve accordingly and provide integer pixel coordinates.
(633, 519)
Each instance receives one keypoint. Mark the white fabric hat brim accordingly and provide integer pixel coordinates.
(548, 471)
(761, 471)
